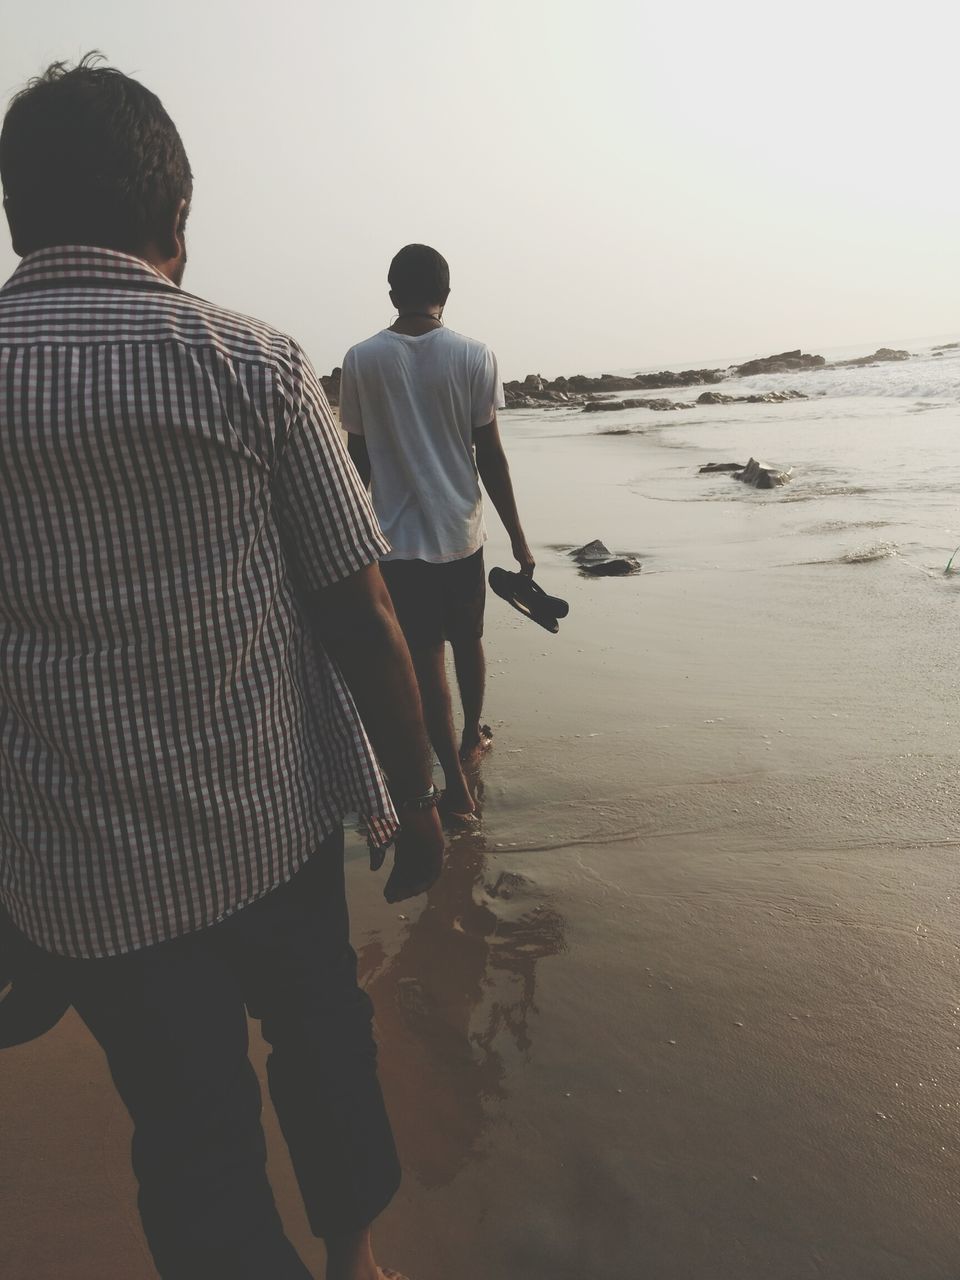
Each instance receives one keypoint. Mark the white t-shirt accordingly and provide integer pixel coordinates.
(417, 402)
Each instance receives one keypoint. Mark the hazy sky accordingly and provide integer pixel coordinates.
(613, 184)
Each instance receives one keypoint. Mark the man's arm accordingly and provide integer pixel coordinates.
(332, 542)
(495, 473)
(357, 448)
(356, 623)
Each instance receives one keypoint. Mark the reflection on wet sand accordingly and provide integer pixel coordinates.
(454, 1005)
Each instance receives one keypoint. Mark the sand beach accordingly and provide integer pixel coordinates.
(688, 1007)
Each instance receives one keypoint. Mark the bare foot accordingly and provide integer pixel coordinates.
(351, 1258)
(456, 799)
(458, 809)
(475, 745)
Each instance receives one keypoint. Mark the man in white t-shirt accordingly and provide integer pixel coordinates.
(420, 405)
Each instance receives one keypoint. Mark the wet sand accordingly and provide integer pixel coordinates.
(688, 1007)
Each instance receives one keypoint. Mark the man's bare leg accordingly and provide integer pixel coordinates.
(351, 1258)
(471, 667)
(438, 714)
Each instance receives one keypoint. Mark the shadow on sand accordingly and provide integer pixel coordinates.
(454, 1006)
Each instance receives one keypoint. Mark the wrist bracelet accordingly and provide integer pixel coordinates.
(417, 804)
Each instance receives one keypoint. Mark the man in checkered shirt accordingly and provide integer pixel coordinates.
(195, 642)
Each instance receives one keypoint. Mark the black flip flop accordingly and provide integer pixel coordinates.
(527, 598)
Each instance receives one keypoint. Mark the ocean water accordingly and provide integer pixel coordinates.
(873, 453)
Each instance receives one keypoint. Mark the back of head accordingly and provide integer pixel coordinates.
(89, 156)
(419, 277)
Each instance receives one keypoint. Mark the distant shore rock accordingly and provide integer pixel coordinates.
(331, 385)
(707, 397)
(661, 406)
(595, 394)
(768, 397)
(882, 355)
(785, 362)
(535, 390)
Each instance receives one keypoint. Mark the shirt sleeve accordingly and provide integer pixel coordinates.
(486, 391)
(326, 521)
(351, 419)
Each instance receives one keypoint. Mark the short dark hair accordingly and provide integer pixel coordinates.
(89, 156)
(419, 276)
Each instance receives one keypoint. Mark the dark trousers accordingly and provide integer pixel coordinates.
(172, 1022)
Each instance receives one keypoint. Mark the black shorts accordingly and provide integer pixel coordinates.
(437, 602)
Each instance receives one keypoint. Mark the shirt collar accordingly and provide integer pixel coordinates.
(78, 264)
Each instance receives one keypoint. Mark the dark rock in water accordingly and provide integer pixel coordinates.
(591, 552)
(602, 406)
(688, 378)
(600, 562)
(759, 474)
(659, 406)
(768, 397)
(762, 476)
(785, 362)
(535, 390)
(879, 356)
(618, 567)
(948, 346)
(775, 397)
(708, 397)
(534, 395)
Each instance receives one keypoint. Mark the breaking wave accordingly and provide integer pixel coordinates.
(863, 555)
(923, 378)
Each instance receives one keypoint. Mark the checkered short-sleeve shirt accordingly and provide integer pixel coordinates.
(174, 742)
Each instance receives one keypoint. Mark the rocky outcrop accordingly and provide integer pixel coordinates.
(785, 362)
(707, 397)
(536, 390)
(604, 406)
(769, 397)
(879, 357)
